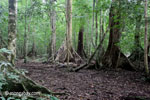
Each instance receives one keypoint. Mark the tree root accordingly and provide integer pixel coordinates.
(61, 55)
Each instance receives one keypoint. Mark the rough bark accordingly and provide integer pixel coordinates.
(113, 56)
(12, 30)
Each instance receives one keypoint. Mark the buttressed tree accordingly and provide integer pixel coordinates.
(113, 56)
(66, 53)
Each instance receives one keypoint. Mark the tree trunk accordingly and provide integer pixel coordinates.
(113, 57)
(96, 37)
(80, 42)
(25, 36)
(93, 20)
(69, 28)
(146, 41)
(12, 30)
(101, 26)
(53, 30)
(66, 52)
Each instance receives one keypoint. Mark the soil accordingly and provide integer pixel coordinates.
(88, 84)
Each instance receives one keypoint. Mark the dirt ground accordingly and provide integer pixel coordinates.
(88, 84)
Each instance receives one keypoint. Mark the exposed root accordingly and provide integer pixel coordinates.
(114, 58)
(61, 55)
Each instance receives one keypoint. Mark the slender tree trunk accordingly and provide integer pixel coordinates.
(12, 30)
(96, 37)
(53, 29)
(25, 36)
(101, 26)
(80, 42)
(93, 20)
(69, 29)
(146, 41)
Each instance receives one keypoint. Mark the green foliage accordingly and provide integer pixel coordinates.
(37, 14)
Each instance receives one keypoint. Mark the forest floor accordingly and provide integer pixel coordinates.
(88, 84)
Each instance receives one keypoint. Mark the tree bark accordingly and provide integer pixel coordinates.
(12, 30)
(146, 41)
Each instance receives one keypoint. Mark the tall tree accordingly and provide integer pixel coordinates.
(113, 56)
(69, 28)
(53, 29)
(12, 30)
(146, 41)
(66, 52)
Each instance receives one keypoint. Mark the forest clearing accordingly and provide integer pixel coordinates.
(74, 50)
